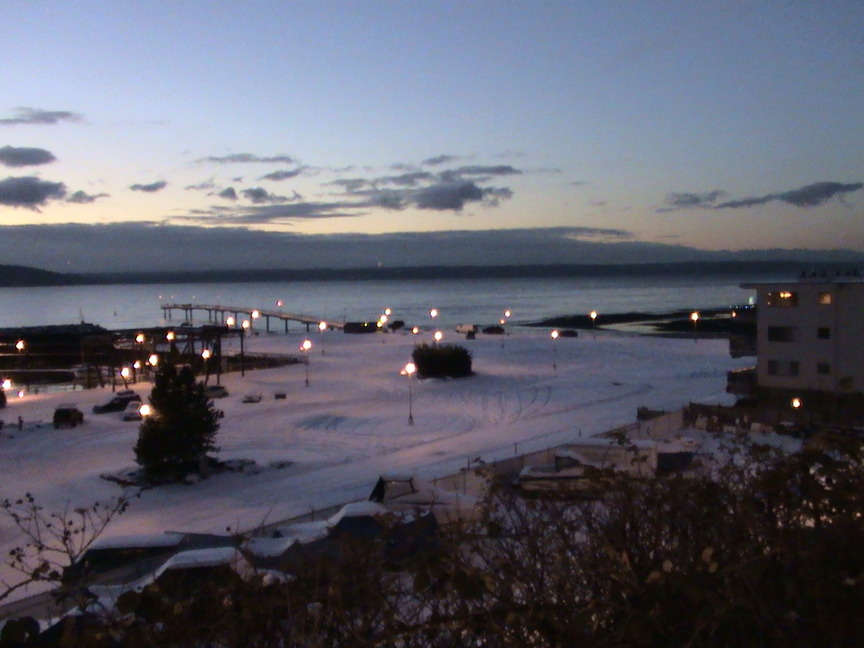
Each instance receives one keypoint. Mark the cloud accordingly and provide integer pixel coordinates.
(12, 156)
(27, 115)
(150, 188)
(246, 158)
(282, 175)
(439, 159)
(29, 192)
(448, 195)
(259, 195)
(810, 195)
(207, 185)
(690, 200)
(449, 189)
(83, 198)
(228, 194)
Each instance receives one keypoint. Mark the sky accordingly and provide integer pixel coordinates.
(160, 135)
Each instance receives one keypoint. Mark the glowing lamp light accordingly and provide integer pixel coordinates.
(307, 344)
(145, 410)
(438, 336)
(554, 334)
(170, 336)
(415, 330)
(246, 324)
(383, 319)
(507, 313)
(593, 316)
(153, 360)
(206, 354)
(322, 326)
(125, 372)
(694, 316)
(256, 314)
(20, 393)
(137, 364)
(433, 313)
(230, 321)
(387, 312)
(139, 338)
(20, 345)
(7, 384)
(279, 303)
(796, 403)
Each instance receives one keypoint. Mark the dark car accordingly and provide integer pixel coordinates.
(117, 403)
(67, 416)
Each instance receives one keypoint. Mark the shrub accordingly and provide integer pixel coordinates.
(442, 361)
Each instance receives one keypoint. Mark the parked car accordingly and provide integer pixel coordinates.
(251, 398)
(215, 391)
(132, 411)
(117, 403)
(68, 415)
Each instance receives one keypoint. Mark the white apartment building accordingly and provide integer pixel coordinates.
(810, 335)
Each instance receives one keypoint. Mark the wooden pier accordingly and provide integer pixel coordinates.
(218, 315)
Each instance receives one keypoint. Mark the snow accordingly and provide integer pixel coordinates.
(327, 443)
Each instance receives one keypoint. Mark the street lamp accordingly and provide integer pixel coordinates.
(694, 316)
(307, 344)
(438, 337)
(139, 339)
(322, 326)
(593, 316)
(230, 321)
(409, 370)
(124, 374)
(20, 345)
(206, 354)
(554, 335)
(433, 313)
(145, 410)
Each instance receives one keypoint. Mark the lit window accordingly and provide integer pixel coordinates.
(782, 299)
(825, 298)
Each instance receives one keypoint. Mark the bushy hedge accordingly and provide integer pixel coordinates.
(442, 361)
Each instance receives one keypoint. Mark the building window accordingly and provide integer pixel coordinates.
(782, 368)
(782, 299)
(825, 298)
(782, 333)
(823, 333)
(823, 368)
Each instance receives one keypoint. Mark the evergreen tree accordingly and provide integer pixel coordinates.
(177, 437)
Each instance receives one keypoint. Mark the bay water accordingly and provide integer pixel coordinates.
(475, 301)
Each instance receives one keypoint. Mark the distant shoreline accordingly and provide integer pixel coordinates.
(20, 276)
(712, 321)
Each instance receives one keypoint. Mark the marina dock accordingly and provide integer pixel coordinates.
(218, 314)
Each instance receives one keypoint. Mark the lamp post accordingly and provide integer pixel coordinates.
(206, 354)
(593, 316)
(322, 326)
(409, 370)
(124, 374)
(694, 316)
(307, 344)
(438, 337)
(554, 335)
(20, 346)
(243, 328)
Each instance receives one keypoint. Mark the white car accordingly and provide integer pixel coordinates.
(132, 411)
(254, 397)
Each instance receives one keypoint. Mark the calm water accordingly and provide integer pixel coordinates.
(479, 301)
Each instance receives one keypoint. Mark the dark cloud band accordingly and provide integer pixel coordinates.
(29, 192)
(12, 156)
